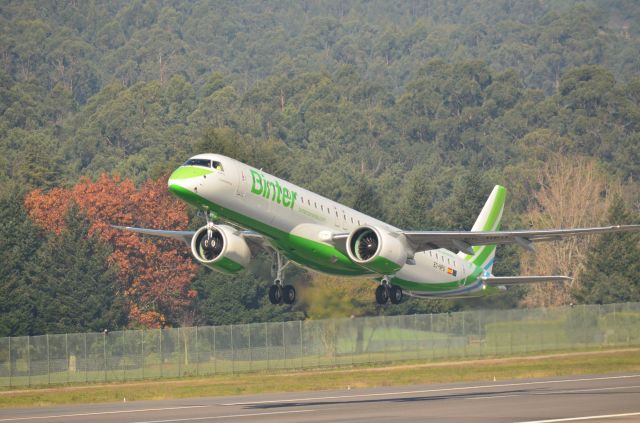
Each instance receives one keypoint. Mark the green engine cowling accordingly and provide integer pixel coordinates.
(220, 248)
(376, 250)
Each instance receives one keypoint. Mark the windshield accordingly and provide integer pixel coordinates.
(198, 162)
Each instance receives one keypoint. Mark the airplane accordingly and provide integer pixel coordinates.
(256, 211)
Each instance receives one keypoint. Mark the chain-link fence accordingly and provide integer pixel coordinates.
(199, 351)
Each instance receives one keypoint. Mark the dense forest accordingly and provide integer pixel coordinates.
(410, 111)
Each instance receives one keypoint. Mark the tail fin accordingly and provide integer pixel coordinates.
(488, 220)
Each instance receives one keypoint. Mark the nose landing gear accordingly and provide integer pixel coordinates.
(279, 293)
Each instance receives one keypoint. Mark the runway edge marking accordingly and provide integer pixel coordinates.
(426, 391)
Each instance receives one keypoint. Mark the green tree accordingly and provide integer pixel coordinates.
(20, 239)
(69, 285)
(613, 264)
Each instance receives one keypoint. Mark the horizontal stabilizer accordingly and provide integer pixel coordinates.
(515, 280)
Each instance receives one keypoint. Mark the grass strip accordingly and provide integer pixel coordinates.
(578, 363)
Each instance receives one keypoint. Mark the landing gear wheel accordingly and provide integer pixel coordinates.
(288, 294)
(395, 294)
(382, 294)
(275, 294)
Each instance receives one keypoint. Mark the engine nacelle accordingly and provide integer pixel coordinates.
(222, 250)
(376, 250)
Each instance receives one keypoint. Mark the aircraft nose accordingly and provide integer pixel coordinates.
(185, 181)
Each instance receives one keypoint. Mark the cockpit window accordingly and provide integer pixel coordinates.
(210, 164)
(198, 162)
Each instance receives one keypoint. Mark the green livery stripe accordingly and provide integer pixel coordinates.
(437, 286)
(186, 172)
(383, 266)
(309, 253)
(316, 255)
(496, 209)
(226, 265)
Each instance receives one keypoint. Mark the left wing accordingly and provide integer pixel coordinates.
(463, 241)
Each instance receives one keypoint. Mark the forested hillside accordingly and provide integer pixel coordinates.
(410, 111)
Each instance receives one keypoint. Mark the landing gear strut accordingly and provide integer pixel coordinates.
(385, 292)
(279, 293)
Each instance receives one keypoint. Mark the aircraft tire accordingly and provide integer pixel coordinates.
(275, 294)
(288, 294)
(395, 294)
(382, 294)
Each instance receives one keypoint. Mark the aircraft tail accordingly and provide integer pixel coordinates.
(488, 220)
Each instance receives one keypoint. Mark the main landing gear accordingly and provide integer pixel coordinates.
(279, 293)
(385, 292)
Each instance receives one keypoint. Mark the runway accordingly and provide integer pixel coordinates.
(599, 398)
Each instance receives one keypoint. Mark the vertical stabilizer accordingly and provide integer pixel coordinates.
(488, 220)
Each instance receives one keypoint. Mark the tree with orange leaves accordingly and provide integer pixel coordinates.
(153, 275)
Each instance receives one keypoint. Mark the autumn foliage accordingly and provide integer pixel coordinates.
(153, 275)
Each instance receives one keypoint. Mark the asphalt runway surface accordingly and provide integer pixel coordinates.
(604, 398)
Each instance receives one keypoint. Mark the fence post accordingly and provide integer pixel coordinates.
(48, 362)
(122, 357)
(104, 352)
(464, 335)
(180, 355)
(584, 324)
(197, 354)
(161, 356)
(248, 325)
(29, 360)
(86, 369)
(415, 334)
(301, 346)
(215, 359)
(284, 347)
(433, 350)
(266, 341)
(335, 342)
(66, 353)
(233, 355)
(386, 332)
(142, 350)
(10, 365)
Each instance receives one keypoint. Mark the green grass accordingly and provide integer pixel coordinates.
(592, 362)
